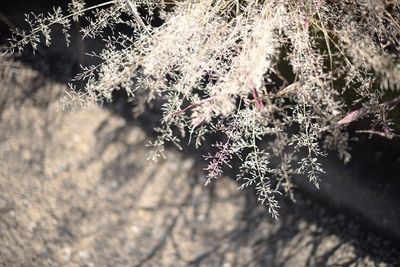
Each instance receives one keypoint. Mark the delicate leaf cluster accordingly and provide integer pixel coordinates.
(270, 76)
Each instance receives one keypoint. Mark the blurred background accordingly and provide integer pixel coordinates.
(76, 188)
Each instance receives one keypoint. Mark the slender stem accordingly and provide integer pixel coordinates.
(38, 29)
(194, 105)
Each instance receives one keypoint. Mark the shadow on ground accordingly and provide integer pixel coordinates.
(76, 190)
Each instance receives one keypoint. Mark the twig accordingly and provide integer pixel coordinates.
(355, 115)
(194, 105)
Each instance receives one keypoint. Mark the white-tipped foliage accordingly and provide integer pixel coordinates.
(269, 76)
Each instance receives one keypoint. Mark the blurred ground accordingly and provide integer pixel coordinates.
(76, 190)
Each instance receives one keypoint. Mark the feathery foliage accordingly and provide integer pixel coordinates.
(270, 76)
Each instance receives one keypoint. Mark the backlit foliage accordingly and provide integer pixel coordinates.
(269, 76)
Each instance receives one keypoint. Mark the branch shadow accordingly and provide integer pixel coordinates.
(137, 213)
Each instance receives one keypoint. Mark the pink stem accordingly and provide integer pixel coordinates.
(259, 103)
(194, 105)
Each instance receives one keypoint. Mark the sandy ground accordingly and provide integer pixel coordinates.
(76, 190)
